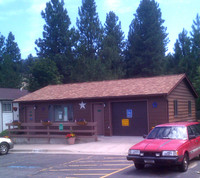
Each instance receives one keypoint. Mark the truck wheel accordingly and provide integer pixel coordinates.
(185, 163)
(139, 166)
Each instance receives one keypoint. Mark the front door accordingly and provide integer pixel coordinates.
(30, 114)
(98, 115)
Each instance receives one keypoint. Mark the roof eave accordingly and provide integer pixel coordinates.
(92, 98)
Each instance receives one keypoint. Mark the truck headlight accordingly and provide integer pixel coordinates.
(134, 152)
(170, 153)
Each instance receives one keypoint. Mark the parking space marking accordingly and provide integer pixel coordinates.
(101, 161)
(90, 166)
(57, 170)
(116, 171)
(90, 174)
(84, 165)
(115, 164)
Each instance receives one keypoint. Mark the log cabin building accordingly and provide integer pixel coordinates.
(127, 107)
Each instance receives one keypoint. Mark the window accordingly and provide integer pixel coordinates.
(61, 113)
(195, 130)
(175, 107)
(7, 107)
(189, 107)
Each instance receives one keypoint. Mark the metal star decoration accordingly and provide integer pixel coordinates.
(82, 105)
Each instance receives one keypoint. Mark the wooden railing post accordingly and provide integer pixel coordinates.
(48, 133)
(95, 131)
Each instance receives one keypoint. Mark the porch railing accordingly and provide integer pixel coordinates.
(55, 130)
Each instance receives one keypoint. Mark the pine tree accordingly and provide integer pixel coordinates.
(10, 63)
(88, 66)
(112, 47)
(196, 39)
(147, 40)
(2, 43)
(183, 61)
(58, 40)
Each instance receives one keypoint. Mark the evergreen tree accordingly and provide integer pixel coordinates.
(43, 72)
(2, 47)
(147, 40)
(112, 47)
(12, 48)
(10, 63)
(58, 40)
(183, 61)
(196, 39)
(196, 85)
(88, 66)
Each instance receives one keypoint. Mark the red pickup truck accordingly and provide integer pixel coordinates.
(168, 144)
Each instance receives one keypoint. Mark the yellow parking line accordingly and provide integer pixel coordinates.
(103, 161)
(115, 164)
(79, 165)
(56, 170)
(119, 157)
(97, 174)
(116, 171)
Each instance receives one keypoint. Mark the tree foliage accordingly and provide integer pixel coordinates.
(43, 73)
(147, 40)
(58, 40)
(183, 60)
(113, 44)
(10, 63)
(88, 66)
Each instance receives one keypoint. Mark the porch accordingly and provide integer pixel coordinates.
(52, 130)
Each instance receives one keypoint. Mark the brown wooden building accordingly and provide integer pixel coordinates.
(120, 107)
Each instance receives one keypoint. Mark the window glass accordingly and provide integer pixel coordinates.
(195, 130)
(7, 107)
(62, 112)
(189, 107)
(197, 126)
(172, 132)
(175, 107)
(190, 132)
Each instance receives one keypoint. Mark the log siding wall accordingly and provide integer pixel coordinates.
(158, 114)
(182, 94)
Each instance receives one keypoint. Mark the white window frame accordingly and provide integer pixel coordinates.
(5, 106)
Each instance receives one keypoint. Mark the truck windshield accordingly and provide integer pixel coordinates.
(168, 132)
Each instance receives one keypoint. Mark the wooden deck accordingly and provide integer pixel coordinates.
(55, 130)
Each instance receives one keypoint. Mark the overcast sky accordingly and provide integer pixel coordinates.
(23, 17)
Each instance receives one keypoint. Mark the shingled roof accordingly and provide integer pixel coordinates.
(11, 93)
(161, 85)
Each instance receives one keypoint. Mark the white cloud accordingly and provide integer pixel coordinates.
(112, 5)
(120, 6)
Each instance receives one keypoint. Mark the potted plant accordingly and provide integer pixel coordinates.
(16, 123)
(81, 122)
(70, 138)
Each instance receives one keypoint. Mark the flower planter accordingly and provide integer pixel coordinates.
(16, 123)
(46, 123)
(71, 140)
(81, 123)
